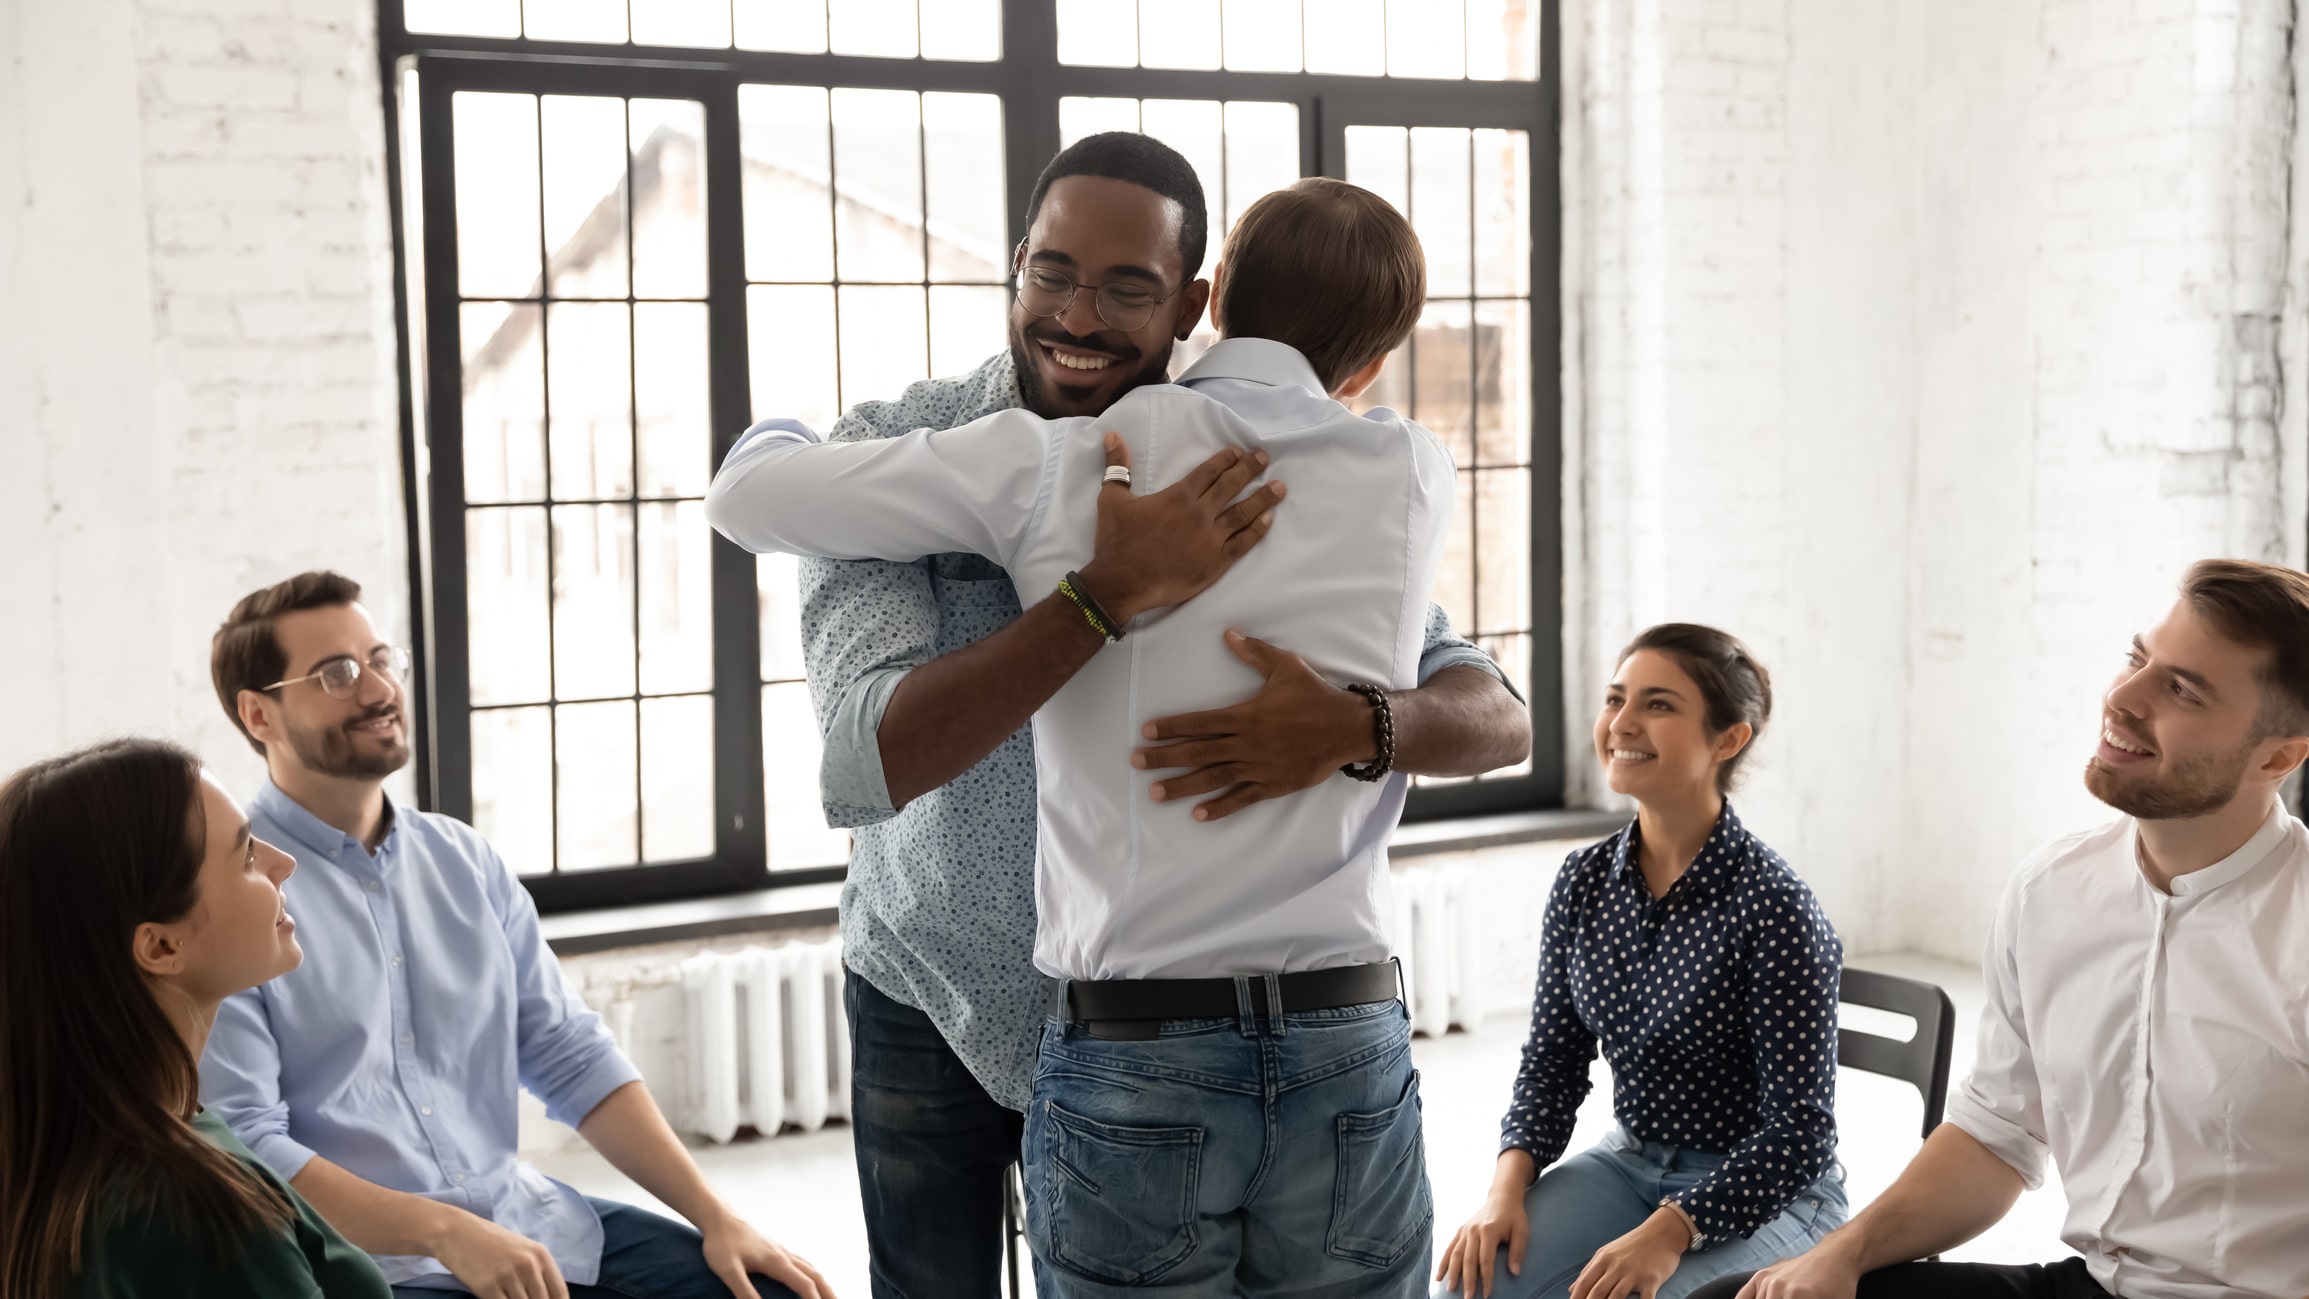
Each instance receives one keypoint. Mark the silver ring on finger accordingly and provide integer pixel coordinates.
(1118, 474)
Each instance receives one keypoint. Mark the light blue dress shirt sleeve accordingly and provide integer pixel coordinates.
(567, 1057)
(1447, 649)
(240, 1079)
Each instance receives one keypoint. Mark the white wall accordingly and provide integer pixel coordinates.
(196, 356)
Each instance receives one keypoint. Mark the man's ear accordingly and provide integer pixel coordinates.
(259, 714)
(156, 950)
(2285, 758)
(1355, 384)
(1216, 286)
(1192, 300)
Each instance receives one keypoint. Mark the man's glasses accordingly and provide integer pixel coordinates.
(1046, 293)
(341, 676)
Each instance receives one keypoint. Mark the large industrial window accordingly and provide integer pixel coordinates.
(629, 227)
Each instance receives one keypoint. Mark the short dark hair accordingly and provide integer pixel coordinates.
(2264, 606)
(246, 655)
(1143, 161)
(1735, 686)
(1327, 267)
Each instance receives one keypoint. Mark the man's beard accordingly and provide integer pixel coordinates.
(1154, 368)
(2198, 785)
(331, 752)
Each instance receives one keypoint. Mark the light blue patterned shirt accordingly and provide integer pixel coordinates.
(938, 913)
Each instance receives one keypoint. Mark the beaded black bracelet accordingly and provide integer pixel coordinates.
(1383, 726)
(1095, 614)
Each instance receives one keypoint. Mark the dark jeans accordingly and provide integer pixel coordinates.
(932, 1148)
(2067, 1279)
(643, 1256)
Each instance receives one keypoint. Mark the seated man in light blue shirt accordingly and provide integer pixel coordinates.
(380, 1078)
(1184, 1136)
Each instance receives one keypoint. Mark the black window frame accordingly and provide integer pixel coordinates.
(1030, 82)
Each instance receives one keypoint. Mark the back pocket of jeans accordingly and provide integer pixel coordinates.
(1380, 1206)
(1122, 1199)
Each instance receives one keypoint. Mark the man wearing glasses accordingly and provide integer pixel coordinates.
(380, 1078)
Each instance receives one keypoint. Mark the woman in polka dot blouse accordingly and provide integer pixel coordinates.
(1700, 964)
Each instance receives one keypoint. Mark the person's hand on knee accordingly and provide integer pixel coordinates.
(1470, 1262)
(737, 1253)
(1823, 1272)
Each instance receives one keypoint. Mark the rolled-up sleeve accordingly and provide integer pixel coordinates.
(567, 1057)
(240, 1079)
(1446, 648)
(2000, 1103)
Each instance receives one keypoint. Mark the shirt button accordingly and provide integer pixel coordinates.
(425, 1110)
(459, 1179)
(376, 885)
(396, 962)
(407, 1038)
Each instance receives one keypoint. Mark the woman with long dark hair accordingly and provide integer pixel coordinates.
(1697, 961)
(132, 902)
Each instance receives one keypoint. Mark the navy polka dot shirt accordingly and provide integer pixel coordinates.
(1716, 1008)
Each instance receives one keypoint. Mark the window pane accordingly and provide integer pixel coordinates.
(1103, 33)
(1426, 38)
(777, 582)
(1502, 550)
(1379, 159)
(1513, 654)
(878, 170)
(1263, 35)
(703, 23)
(592, 601)
(1347, 37)
(594, 750)
(967, 325)
(505, 606)
(497, 231)
(671, 395)
(962, 29)
(1502, 383)
(1392, 388)
(1179, 34)
(463, 17)
(963, 169)
(669, 198)
(504, 376)
(1503, 39)
(880, 28)
(1455, 580)
(884, 337)
(789, 223)
(573, 20)
(1439, 206)
(588, 369)
(1197, 129)
(677, 778)
(1503, 212)
(791, 332)
(794, 26)
(677, 620)
(513, 785)
(1262, 152)
(790, 753)
(1080, 116)
(585, 233)
(1440, 377)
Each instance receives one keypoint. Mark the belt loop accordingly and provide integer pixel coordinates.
(1275, 1002)
(1058, 1012)
(1402, 991)
(1246, 1016)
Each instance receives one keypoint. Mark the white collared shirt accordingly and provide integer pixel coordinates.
(1126, 887)
(2157, 1047)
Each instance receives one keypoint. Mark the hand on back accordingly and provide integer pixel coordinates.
(1167, 547)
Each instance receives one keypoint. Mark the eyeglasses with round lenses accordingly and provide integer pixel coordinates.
(341, 676)
(1046, 293)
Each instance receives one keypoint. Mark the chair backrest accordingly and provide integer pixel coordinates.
(1921, 1061)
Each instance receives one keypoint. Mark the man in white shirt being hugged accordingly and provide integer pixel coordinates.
(1224, 1102)
(2147, 1022)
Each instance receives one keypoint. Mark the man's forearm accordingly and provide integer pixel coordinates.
(379, 1220)
(1954, 1189)
(1461, 722)
(631, 1133)
(948, 714)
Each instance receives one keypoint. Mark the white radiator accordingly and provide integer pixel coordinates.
(1438, 937)
(768, 1045)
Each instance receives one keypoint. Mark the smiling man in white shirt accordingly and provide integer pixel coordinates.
(1184, 1137)
(2147, 1023)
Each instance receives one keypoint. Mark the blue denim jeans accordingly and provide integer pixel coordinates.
(1231, 1157)
(1603, 1193)
(643, 1256)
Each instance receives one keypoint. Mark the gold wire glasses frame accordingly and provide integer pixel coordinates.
(340, 676)
(1046, 293)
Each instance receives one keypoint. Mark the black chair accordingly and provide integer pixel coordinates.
(1013, 1227)
(1921, 1061)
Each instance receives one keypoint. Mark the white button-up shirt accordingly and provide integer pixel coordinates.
(1126, 887)
(2156, 1045)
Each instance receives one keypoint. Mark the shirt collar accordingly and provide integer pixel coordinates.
(1708, 871)
(316, 835)
(2254, 851)
(1258, 360)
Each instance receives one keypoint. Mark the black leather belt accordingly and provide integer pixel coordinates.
(1133, 1009)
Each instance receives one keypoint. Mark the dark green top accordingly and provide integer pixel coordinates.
(145, 1252)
